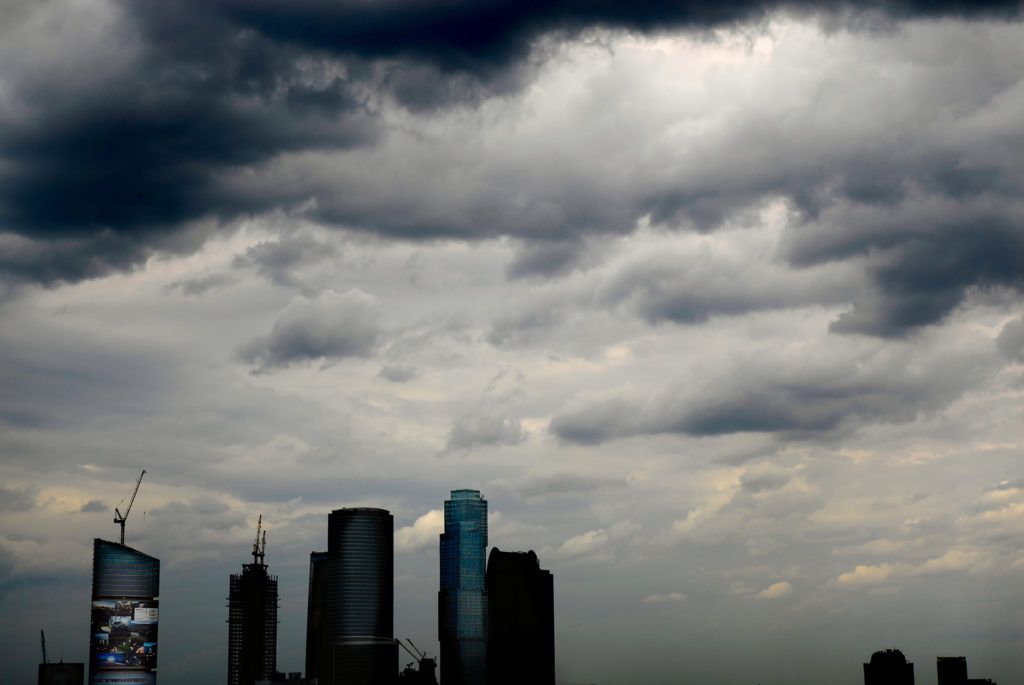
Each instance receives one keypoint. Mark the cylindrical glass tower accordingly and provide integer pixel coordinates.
(125, 614)
(360, 596)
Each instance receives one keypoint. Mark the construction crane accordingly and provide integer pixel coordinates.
(402, 645)
(120, 518)
(259, 548)
(426, 674)
(42, 640)
(422, 655)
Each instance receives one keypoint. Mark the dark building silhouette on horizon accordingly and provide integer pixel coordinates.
(125, 615)
(359, 648)
(888, 667)
(61, 673)
(462, 597)
(952, 670)
(521, 621)
(252, 620)
(316, 617)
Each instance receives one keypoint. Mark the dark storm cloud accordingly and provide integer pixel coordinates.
(795, 399)
(97, 172)
(485, 38)
(329, 327)
(692, 288)
(278, 260)
(397, 373)
(550, 258)
(112, 150)
(922, 262)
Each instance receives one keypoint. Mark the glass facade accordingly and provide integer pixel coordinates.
(360, 596)
(125, 615)
(462, 600)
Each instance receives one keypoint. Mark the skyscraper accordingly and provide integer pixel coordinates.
(125, 615)
(462, 599)
(521, 632)
(316, 617)
(360, 598)
(888, 667)
(952, 670)
(252, 621)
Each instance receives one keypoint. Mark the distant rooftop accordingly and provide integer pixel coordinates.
(465, 494)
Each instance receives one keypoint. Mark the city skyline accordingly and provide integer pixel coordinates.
(503, 632)
(719, 304)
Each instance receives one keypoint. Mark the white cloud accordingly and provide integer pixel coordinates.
(863, 575)
(780, 589)
(667, 598)
(421, 534)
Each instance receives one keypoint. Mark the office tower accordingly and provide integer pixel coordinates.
(61, 674)
(462, 600)
(360, 598)
(952, 670)
(316, 616)
(252, 620)
(521, 621)
(125, 614)
(888, 667)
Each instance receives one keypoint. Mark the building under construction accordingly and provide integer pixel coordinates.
(252, 619)
(125, 610)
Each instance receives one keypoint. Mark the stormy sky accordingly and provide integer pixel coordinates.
(719, 304)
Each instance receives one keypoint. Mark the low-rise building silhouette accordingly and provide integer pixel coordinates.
(952, 670)
(888, 667)
(62, 673)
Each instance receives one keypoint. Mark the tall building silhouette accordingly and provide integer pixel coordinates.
(316, 617)
(888, 667)
(360, 598)
(252, 621)
(125, 615)
(462, 599)
(521, 633)
(952, 670)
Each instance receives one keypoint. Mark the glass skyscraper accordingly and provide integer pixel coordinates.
(125, 614)
(462, 600)
(360, 598)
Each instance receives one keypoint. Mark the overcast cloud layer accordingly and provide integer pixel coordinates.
(718, 303)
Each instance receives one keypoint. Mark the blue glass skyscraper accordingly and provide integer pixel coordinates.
(462, 601)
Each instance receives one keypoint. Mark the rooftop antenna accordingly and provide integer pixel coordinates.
(42, 639)
(121, 518)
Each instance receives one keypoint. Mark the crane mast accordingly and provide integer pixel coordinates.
(259, 545)
(120, 518)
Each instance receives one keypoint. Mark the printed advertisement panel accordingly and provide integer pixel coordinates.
(124, 640)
